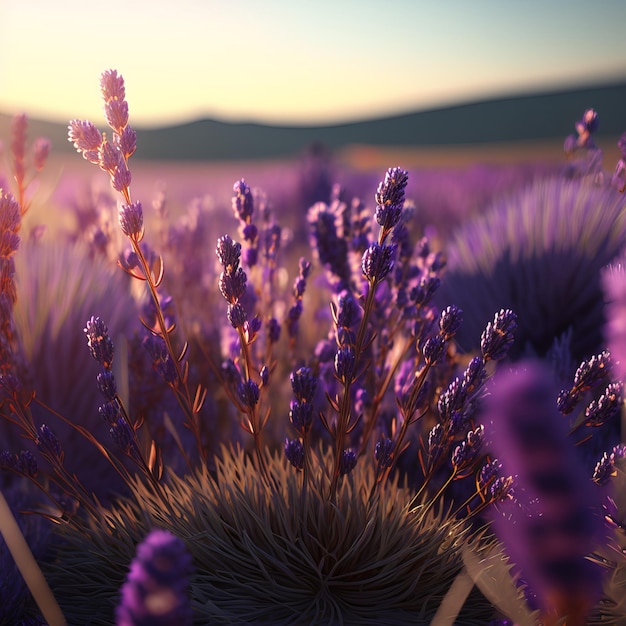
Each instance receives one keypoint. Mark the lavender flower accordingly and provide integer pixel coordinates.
(383, 452)
(607, 407)
(156, 589)
(390, 198)
(228, 253)
(348, 461)
(304, 384)
(294, 451)
(497, 338)
(106, 384)
(131, 220)
(605, 467)
(345, 363)
(47, 442)
(99, 342)
(243, 203)
(26, 464)
(377, 262)
(328, 242)
(552, 527)
(248, 392)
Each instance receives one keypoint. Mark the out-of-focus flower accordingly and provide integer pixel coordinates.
(156, 588)
(554, 522)
(614, 284)
(540, 253)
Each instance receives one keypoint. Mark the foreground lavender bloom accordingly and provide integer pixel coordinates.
(554, 524)
(155, 591)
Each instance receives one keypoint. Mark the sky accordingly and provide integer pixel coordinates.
(298, 61)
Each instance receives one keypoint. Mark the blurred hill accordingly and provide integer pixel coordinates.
(535, 116)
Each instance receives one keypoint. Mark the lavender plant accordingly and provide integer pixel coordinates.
(335, 501)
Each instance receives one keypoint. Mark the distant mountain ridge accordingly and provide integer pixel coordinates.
(536, 116)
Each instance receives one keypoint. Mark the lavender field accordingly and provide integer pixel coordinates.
(366, 386)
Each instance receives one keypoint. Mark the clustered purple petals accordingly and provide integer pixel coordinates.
(294, 451)
(156, 589)
(328, 242)
(488, 473)
(161, 359)
(588, 375)
(131, 220)
(468, 450)
(450, 321)
(26, 464)
(348, 461)
(106, 384)
(243, 203)
(232, 281)
(497, 337)
(502, 488)
(109, 412)
(99, 342)
(390, 198)
(228, 253)
(299, 287)
(433, 349)
(607, 407)
(233, 285)
(124, 437)
(48, 442)
(111, 156)
(377, 262)
(248, 393)
(236, 315)
(273, 330)
(605, 467)
(436, 444)
(301, 415)
(304, 384)
(345, 363)
(383, 452)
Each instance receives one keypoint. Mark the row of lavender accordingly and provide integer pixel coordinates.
(175, 449)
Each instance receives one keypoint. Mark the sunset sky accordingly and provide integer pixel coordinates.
(290, 62)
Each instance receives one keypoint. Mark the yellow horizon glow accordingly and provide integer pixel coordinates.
(287, 63)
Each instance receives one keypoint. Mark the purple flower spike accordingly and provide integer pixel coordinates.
(47, 442)
(348, 461)
(26, 464)
(294, 451)
(450, 321)
(156, 589)
(390, 198)
(228, 253)
(99, 342)
(248, 392)
(304, 384)
(243, 204)
(131, 220)
(497, 337)
(383, 452)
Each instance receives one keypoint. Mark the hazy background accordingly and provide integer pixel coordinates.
(278, 61)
